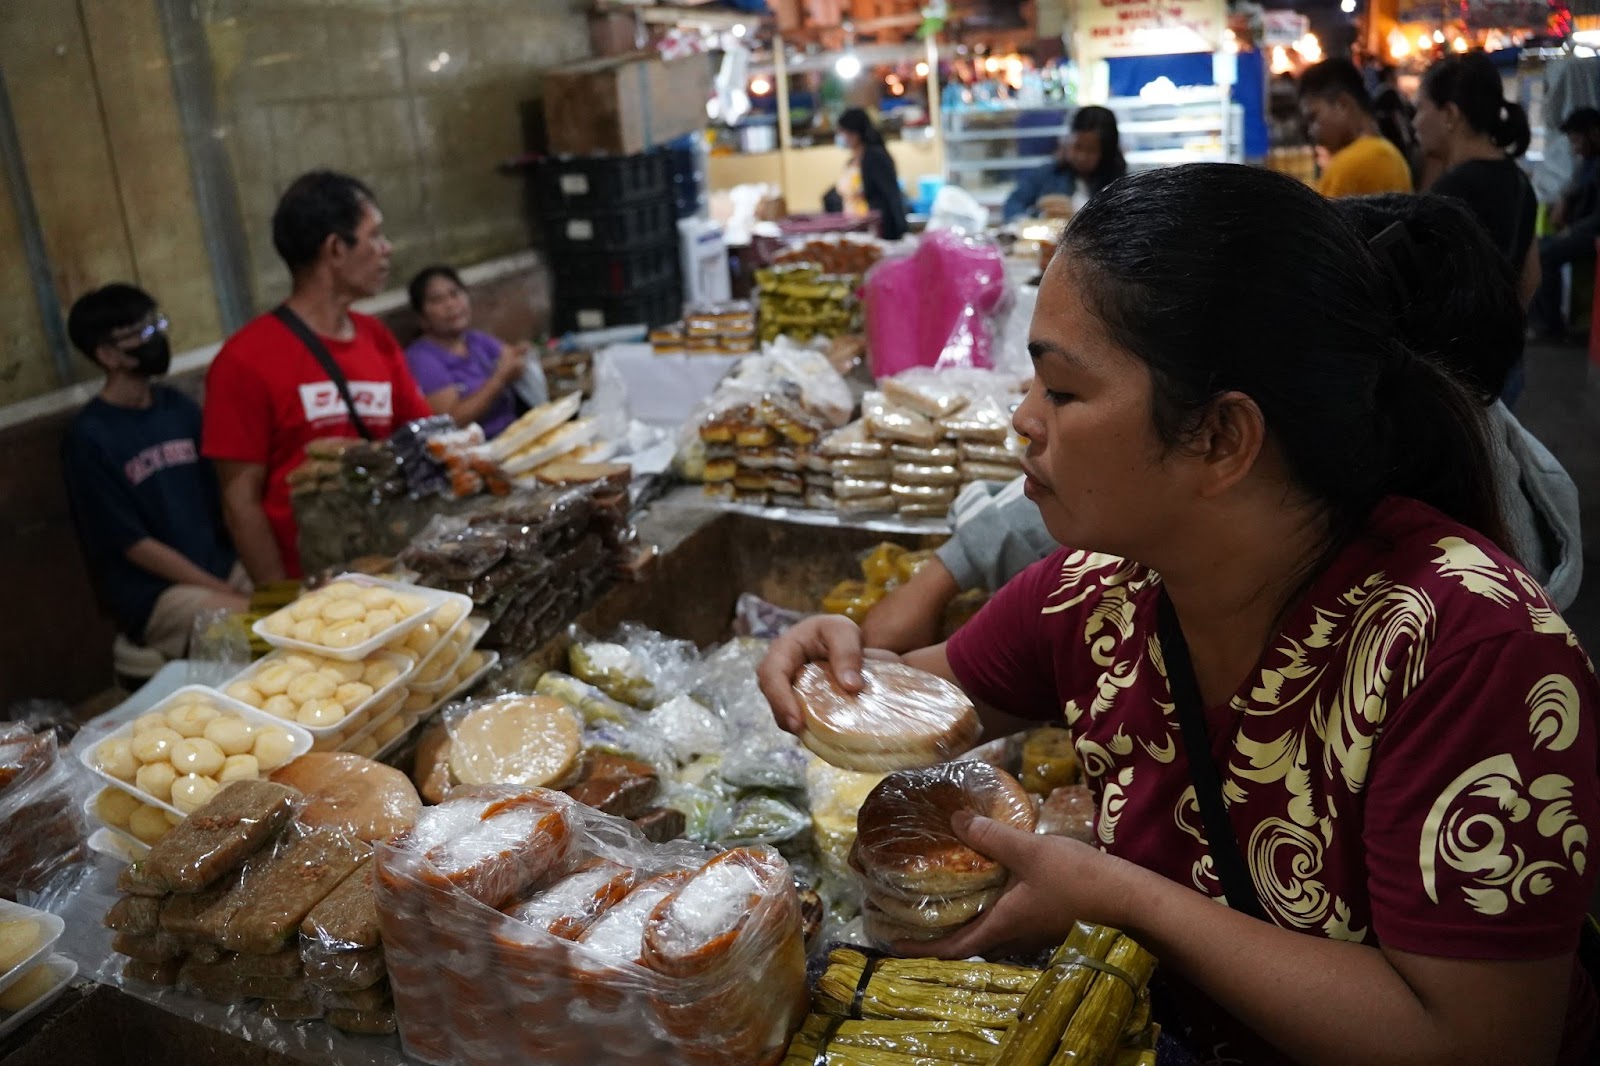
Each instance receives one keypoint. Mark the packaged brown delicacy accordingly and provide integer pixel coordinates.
(1069, 811)
(1049, 760)
(341, 791)
(572, 904)
(362, 1023)
(347, 919)
(921, 881)
(616, 785)
(852, 488)
(344, 971)
(902, 718)
(983, 421)
(294, 877)
(236, 823)
(377, 997)
(925, 392)
(926, 474)
(891, 422)
(1010, 452)
(162, 975)
(661, 824)
(140, 915)
(853, 442)
(875, 470)
(536, 741)
(493, 848)
(990, 472)
(936, 455)
(152, 949)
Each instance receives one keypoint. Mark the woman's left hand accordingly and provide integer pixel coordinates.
(1054, 882)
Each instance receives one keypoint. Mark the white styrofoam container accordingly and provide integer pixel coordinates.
(404, 663)
(62, 971)
(302, 739)
(444, 640)
(433, 598)
(490, 660)
(480, 626)
(114, 844)
(125, 840)
(49, 924)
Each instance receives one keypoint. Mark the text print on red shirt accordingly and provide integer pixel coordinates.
(159, 457)
(321, 400)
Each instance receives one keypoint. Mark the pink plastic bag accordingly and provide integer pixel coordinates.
(939, 307)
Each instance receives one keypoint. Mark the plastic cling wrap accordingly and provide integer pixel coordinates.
(901, 719)
(622, 952)
(534, 741)
(920, 880)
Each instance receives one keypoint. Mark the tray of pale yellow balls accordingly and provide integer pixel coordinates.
(355, 615)
(178, 755)
(28, 979)
(326, 697)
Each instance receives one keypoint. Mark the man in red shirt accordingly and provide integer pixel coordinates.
(267, 392)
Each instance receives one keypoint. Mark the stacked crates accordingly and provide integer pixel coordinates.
(611, 229)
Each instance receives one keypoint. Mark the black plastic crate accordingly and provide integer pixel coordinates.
(616, 273)
(651, 307)
(617, 229)
(582, 183)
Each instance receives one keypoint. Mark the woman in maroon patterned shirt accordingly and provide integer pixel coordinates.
(1404, 727)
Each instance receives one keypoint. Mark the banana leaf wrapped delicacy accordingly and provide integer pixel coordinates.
(595, 706)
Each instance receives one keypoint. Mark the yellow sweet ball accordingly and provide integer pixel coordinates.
(312, 686)
(418, 702)
(154, 745)
(347, 635)
(423, 639)
(245, 693)
(321, 714)
(305, 608)
(191, 719)
(376, 599)
(114, 807)
(278, 624)
(366, 747)
(308, 631)
(382, 619)
(448, 614)
(472, 664)
(272, 748)
(353, 694)
(149, 824)
(406, 605)
(239, 768)
(357, 722)
(335, 612)
(281, 707)
(193, 791)
(342, 672)
(384, 732)
(301, 663)
(233, 735)
(379, 672)
(115, 757)
(273, 679)
(328, 742)
(433, 671)
(25, 989)
(197, 756)
(153, 720)
(155, 779)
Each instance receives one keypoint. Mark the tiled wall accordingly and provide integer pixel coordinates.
(421, 99)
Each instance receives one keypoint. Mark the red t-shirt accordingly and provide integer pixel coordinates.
(267, 398)
(1414, 762)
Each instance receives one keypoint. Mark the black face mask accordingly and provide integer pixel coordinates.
(154, 356)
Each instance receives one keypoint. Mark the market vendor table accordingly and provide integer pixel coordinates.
(711, 553)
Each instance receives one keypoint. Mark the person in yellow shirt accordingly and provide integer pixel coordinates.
(1338, 114)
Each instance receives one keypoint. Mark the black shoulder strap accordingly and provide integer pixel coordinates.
(1231, 868)
(324, 358)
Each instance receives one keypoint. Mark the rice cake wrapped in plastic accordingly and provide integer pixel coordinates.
(306, 865)
(731, 940)
(532, 741)
(493, 846)
(853, 442)
(154, 949)
(344, 971)
(347, 919)
(236, 823)
(984, 421)
(352, 795)
(615, 941)
(567, 908)
(198, 918)
(891, 422)
(615, 785)
(140, 915)
(902, 718)
(925, 391)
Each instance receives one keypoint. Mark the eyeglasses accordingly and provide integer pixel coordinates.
(141, 331)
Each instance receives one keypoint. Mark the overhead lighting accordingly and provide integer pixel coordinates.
(1399, 47)
(848, 66)
(1309, 48)
(760, 86)
(991, 65)
(1438, 37)
(739, 30)
(1347, 6)
(1460, 44)
(1424, 42)
(922, 70)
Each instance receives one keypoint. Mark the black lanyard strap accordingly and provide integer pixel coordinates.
(1223, 842)
(324, 358)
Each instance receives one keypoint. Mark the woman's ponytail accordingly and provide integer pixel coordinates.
(1512, 131)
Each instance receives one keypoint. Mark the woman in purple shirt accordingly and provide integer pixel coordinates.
(464, 373)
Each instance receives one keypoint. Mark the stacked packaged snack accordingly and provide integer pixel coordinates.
(715, 329)
(1090, 1004)
(520, 926)
(885, 567)
(41, 828)
(811, 289)
(530, 562)
(760, 430)
(921, 437)
(252, 900)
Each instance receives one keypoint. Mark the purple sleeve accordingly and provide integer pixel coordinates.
(428, 367)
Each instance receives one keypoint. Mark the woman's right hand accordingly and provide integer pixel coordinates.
(513, 358)
(828, 638)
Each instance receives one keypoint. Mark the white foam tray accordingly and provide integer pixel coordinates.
(62, 971)
(53, 927)
(434, 598)
(404, 663)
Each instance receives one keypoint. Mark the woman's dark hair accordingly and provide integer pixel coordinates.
(1472, 83)
(417, 289)
(1229, 278)
(96, 315)
(1456, 291)
(855, 121)
(313, 206)
(1101, 122)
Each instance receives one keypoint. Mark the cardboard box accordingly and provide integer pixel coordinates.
(624, 105)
